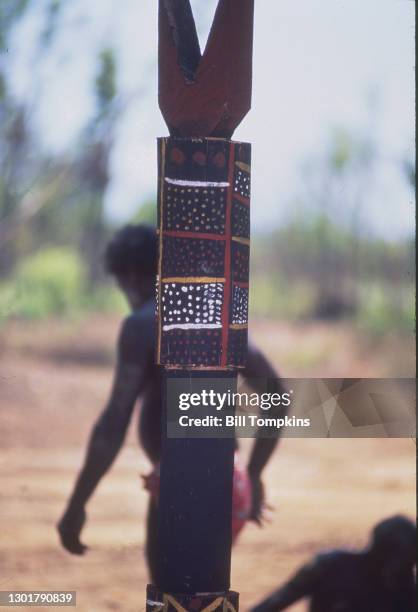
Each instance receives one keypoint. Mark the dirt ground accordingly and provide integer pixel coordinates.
(54, 379)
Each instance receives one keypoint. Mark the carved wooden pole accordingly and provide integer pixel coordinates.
(203, 225)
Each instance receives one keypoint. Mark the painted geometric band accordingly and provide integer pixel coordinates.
(193, 279)
(243, 166)
(184, 183)
(241, 240)
(203, 265)
(194, 326)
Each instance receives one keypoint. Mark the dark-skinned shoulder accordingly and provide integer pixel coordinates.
(330, 558)
(136, 342)
(310, 574)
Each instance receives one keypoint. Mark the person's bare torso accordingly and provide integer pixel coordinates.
(142, 324)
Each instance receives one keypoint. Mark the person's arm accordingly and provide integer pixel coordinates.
(257, 371)
(302, 584)
(108, 433)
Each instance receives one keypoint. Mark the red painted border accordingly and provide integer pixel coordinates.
(241, 284)
(186, 234)
(227, 265)
(241, 199)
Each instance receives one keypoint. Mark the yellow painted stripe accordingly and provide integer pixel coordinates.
(168, 599)
(241, 240)
(243, 166)
(238, 326)
(214, 605)
(203, 368)
(192, 279)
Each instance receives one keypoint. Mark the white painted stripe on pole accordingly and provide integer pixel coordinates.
(183, 183)
(150, 602)
(192, 326)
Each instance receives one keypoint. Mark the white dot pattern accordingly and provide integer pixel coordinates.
(239, 305)
(242, 183)
(192, 304)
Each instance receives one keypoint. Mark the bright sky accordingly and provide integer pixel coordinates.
(316, 65)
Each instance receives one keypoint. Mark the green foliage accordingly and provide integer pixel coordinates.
(313, 268)
(49, 283)
(385, 309)
(147, 213)
(10, 11)
(3, 87)
(106, 78)
(272, 296)
(341, 150)
(53, 283)
(105, 298)
(52, 13)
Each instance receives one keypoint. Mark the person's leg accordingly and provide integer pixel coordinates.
(151, 539)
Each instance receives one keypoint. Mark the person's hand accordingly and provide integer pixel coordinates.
(69, 529)
(258, 504)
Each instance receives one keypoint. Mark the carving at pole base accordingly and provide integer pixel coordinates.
(157, 601)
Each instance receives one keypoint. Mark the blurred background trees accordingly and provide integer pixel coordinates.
(320, 262)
